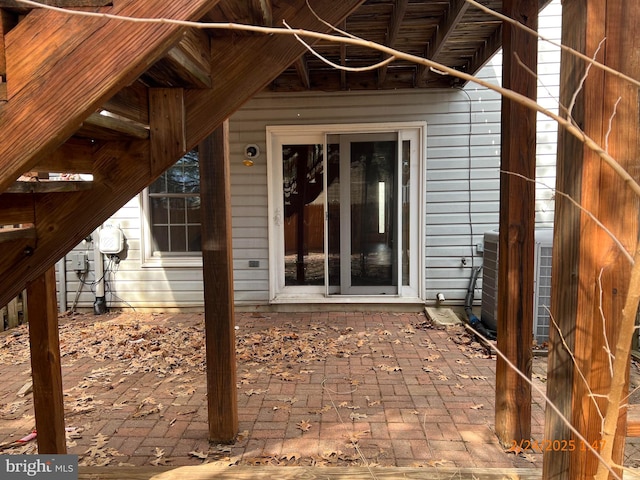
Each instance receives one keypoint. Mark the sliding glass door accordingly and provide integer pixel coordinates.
(346, 211)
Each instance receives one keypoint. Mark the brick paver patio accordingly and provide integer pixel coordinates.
(313, 389)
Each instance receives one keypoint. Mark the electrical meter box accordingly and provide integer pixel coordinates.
(111, 240)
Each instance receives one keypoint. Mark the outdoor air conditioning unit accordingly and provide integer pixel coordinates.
(541, 286)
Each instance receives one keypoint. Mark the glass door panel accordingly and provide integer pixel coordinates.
(303, 200)
(369, 223)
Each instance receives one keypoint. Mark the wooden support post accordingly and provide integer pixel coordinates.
(45, 363)
(517, 226)
(587, 265)
(215, 205)
(13, 319)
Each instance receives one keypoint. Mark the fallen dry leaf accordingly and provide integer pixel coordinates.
(304, 425)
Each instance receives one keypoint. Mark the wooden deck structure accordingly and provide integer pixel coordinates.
(123, 101)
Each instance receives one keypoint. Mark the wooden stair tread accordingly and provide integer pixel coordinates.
(633, 420)
(48, 186)
(17, 233)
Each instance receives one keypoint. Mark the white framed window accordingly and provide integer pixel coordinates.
(345, 209)
(171, 216)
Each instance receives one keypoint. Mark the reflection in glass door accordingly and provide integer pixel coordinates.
(303, 199)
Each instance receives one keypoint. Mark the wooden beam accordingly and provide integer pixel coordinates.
(517, 228)
(46, 368)
(217, 263)
(167, 124)
(586, 262)
(40, 118)
(237, 63)
(399, 10)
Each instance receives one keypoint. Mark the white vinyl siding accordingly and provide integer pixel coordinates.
(461, 187)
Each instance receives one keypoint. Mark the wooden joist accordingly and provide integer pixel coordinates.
(238, 63)
(399, 11)
(303, 71)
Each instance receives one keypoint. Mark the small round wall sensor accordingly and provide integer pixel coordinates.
(252, 151)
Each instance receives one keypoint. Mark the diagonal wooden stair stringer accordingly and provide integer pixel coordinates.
(241, 67)
(52, 90)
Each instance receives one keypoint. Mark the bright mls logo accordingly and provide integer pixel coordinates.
(45, 467)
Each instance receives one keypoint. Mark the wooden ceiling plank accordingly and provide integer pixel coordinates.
(397, 17)
(125, 51)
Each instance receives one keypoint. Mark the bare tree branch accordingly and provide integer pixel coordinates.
(582, 56)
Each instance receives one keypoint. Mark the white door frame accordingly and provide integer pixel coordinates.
(280, 135)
